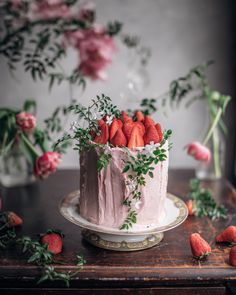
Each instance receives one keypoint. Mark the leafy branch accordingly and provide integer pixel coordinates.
(204, 203)
(139, 166)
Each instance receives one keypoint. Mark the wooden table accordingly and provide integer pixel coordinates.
(165, 269)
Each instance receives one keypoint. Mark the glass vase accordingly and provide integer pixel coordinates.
(215, 168)
(15, 170)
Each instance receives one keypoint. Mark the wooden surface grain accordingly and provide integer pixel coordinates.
(168, 265)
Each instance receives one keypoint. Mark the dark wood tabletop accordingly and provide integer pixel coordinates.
(167, 268)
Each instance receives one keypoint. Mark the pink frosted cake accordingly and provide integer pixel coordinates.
(124, 168)
(102, 193)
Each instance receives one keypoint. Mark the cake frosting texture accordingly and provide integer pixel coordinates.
(102, 193)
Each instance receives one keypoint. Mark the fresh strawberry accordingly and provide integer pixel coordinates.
(227, 235)
(136, 139)
(127, 129)
(120, 123)
(200, 248)
(100, 122)
(159, 131)
(141, 127)
(232, 256)
(148, 121)
(119, 139)
(139, 116)
(53, 240)
(13, 219)
(113, 128)
(190, 205)
(151, 135)
(103, 137)
(125, 117)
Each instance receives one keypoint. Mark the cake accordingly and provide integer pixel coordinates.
(123, 167)
(102, 193)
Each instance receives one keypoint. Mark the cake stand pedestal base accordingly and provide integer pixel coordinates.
(122, 242)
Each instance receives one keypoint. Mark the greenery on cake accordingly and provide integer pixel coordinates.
(102, 126)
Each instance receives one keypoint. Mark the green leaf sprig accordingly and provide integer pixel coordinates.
(204, 203)
(138, 167)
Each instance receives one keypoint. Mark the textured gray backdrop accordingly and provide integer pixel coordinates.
(181, 33)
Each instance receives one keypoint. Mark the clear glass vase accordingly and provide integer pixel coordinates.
(215, 168)
(15, 170)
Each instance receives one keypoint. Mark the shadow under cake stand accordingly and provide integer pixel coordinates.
(119, 240)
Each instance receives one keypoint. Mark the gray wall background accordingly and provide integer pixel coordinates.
(181, 33)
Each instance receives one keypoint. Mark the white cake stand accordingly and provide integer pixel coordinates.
(138, 238)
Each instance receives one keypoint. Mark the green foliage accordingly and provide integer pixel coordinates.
(38, 254)
(114, 28)
(7, 234)
(204, 203)
(129, 221)
(148, 106)
(103, 161)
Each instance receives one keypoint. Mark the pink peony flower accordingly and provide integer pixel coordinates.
(47, 164)
(49, 9)
(26, 121)
(95, 51)
(199, 152)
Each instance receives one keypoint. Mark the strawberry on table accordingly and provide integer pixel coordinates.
(227, 235)
(13, 219)
(53, 240)
(199, 247)
(190, 205)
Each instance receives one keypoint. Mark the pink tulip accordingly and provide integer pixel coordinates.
(199, 152)
(47, 164)
(26, 121)
(95, 50)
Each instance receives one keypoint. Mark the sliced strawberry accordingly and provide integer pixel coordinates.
(103, 137)
(119, 139)
(189, 204)
(159, 131)
(200, 248)
(113, 128)
(227, 235)
(125, 117)
(141, 127)
(14, 219)
(127, 129)
(232, 256)
(136, 139)
(148, 121)
(53, 240)
(139, 116)
(151, 135)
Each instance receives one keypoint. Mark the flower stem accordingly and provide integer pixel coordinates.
(215, 141)
(29, 145)
(212, 127)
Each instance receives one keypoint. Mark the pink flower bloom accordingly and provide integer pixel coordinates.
(16, 4)
(199, 152)
(47, 164)
(49, 9)
(95, 51)
(25, 121)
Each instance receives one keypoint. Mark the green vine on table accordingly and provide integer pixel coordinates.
(204, 203)
(139, 166)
